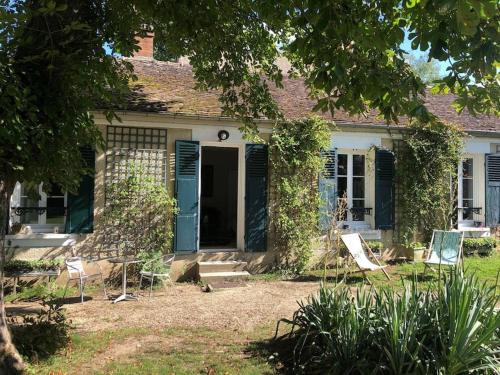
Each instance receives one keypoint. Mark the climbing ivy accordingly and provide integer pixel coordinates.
(296, 162)
(138, 214)
(427, 165)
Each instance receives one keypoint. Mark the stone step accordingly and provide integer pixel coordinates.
(221, 266)
(208, 277)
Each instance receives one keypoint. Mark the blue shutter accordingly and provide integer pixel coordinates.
(80, 207)
(256, 197)
(492, 190)
(384, 189)
(327, 187)
(187, 167)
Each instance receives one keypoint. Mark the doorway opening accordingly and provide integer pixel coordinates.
(219, 197)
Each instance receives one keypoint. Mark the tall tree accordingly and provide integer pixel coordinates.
(54, 70)
(427, 71)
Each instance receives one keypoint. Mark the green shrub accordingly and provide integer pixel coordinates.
(380, 331)
(39, 336)
(376, 246)
(17, 265)
(481, 246)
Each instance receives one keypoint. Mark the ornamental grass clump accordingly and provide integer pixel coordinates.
(453, 329)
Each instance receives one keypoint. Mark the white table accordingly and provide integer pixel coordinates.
(124, 261)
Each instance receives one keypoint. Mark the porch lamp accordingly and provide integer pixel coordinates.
(223, 135)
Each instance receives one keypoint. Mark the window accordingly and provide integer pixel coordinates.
(467, 195)
(351, 185)
(44, 215)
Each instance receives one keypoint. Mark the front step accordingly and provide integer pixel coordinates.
(221, 266)
(210, 277)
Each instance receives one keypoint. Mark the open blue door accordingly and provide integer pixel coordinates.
(256, 197)
(187, 168)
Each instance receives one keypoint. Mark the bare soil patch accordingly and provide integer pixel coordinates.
(185, 305)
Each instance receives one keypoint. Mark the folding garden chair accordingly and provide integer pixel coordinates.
(445, 249)
(76, 272)
(150, 274)
(354, 243)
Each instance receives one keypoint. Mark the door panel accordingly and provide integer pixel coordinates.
(187, 167)
(256, 158)
(327, 187)
(384, 189)
(493, 190)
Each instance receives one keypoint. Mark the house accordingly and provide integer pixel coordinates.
(221, 180)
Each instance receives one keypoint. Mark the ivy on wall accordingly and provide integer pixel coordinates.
(138, 214)
(426, 170)
(296, 161)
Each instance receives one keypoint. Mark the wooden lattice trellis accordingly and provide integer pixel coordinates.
(129, 148)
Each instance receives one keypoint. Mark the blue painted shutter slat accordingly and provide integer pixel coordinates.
(80, 207)
(384, 190)
(327, 187)
(492, 189)
(256, 171)
(187, 167)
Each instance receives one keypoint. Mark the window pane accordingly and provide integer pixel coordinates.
(55, 210)
(358, 165)
(467, 188)
(467, 168)
(30, 217)
(342, 165)
(467, 214)
(358, 187)
(342, 186)
(358, 213)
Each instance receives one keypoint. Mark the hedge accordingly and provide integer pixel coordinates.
(483, 246)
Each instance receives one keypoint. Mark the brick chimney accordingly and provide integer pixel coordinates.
(145, 45)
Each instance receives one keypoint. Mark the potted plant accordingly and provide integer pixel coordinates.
(417, 251)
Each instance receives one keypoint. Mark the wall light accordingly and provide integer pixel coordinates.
(223, 135)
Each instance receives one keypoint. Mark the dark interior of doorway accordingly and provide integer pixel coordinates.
(219, 197)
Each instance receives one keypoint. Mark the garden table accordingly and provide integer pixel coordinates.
(124, 261)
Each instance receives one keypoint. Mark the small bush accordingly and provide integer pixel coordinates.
(481, 246)
(39, 336)
(380, 331)
(376, 246)
(17, 265)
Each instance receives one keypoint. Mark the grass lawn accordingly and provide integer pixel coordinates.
(169, 351)
(485, 268)
(179, 348)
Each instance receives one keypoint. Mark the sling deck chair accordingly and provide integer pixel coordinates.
(445, 249)
(354, 243)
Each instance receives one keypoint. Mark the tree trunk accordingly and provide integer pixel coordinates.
(10, 360)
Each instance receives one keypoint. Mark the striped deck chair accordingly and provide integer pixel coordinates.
(445, 249)
(354, 243)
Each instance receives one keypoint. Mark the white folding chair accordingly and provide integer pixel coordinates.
(354, 243)
(76, 272)
(150, 275)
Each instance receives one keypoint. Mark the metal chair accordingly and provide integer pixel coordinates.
(150, 275)
(76, 272)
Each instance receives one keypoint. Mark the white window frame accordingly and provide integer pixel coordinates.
(41, 226)
(350, 175)
(461, 221)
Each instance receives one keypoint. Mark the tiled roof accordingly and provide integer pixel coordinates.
(165, 87)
